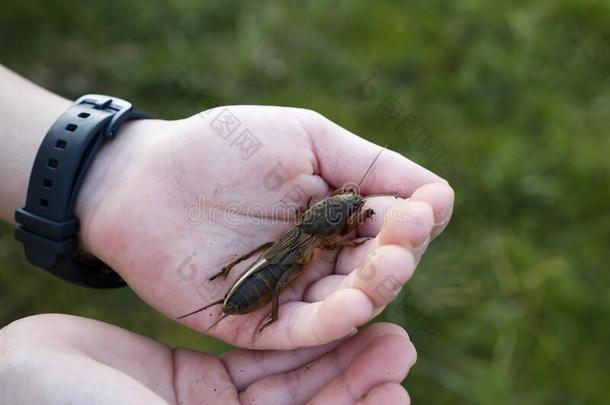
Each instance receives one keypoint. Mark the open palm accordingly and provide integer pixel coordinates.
(97, 363)
(168, 203)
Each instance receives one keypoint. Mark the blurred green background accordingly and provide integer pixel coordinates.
(509, 101)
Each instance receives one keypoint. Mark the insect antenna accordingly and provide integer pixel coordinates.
(220, 301)
(380, 195)
(371, 166)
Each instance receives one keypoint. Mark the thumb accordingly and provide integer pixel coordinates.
(344, 157)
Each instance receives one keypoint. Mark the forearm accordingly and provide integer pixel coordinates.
(27, 111)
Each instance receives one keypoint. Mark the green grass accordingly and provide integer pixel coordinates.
(509, 102)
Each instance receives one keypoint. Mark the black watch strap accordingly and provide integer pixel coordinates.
(47, 225)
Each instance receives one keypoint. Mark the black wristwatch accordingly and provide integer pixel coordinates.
(47, 225)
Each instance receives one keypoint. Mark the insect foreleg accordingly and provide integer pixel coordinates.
(292, 273)
(356, 220)
(227, 268)
(301, 211)
(344, 243)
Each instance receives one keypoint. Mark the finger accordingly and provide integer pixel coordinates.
(386, 362)
(320, 267)
(407, 224)
(381, 205)
(440, 197)
(322, 288)
(198, 375)
(247, 366)
(387, 393)
(300, 385)
(311, 324)
(344, 157)
(382, 276)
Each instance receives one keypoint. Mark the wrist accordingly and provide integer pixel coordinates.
(48, 223)
(28, 111)
(99, 203)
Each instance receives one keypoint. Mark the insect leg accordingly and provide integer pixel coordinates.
(356, 220)
(227, 268)
(301, 210)
(344, 243)
(292, 273)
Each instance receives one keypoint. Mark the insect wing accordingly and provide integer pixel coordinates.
(281, 247)
(292, 246)
(256, 267)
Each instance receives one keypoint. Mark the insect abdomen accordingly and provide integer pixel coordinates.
(256, 291)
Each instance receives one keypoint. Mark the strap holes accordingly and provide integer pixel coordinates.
(71, 127)
(52, 164)
(47, 183)
(84, 115)
(44, 203)
(60, 144)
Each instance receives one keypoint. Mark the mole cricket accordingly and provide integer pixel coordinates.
(284, 260)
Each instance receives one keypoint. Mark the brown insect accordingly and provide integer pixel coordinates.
(284, 260)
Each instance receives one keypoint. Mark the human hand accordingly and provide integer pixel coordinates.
(62, 359)
(164, 193)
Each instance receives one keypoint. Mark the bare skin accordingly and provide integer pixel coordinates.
(98, 363)
(164, 191)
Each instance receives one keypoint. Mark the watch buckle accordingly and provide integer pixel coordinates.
(120, 107)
